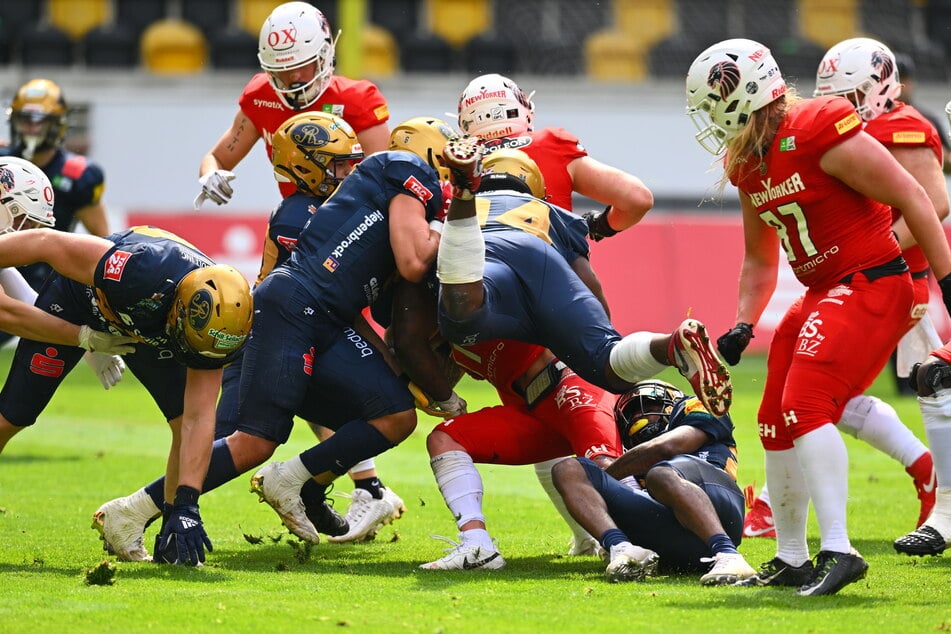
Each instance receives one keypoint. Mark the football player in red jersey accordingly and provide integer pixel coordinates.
(493, 107)
(808, 178)
(296, 51)
(865, 71)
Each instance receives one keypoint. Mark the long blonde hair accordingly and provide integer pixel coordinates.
(745, 151)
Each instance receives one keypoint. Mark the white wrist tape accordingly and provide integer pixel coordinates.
(16, 287)
(461, 252)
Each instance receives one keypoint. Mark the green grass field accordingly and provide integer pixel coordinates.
(91, 446)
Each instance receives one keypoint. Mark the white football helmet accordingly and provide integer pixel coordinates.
(864, 71)
(294, 35)
(725, 85)
(493, 106)
(26, 196)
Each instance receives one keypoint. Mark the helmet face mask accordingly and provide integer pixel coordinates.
(295, 38)
(425, 137)
(315, 151)
(26, 196)
(727, 83)
(493, 106)
(211, 313)
(864, 71)
(514, 163)
(644, 411)
(37, 117)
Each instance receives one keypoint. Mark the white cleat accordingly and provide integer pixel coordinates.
(586, 547)
(366, 516)
(272, 487)
(121, 525)
(631, 563)
(466, 557)
(727, 569)
(395, 501)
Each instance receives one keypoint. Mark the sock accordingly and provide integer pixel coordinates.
(873, 421)
(373, 485)
(631, 358)
(221, 467)
(936, 413)
(478, 536)
(460, 484)
(825, 468)
(156, 491)
(721, 543)
(790, 505)
(764, 494)
(313, 494)
(355, 441)
(940, 518)
(612, 537)
(543, 473)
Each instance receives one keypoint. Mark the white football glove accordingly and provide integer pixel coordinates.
(108, 368)
(455, 405)
(452, 406)
(215, 186)
(96, 341)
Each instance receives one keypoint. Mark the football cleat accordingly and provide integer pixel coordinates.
(466, 557)
(777, 572)
(326, 519)
(366, 516)
(272, 487)
(833, 572)
(922, 470)
(586, 547)
(727, 569)
(631, 563)
(925, 540)
(759, 516)
(395, 501)
(692, 353)
(121, 524)
(463, 157)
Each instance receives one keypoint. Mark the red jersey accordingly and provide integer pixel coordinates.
(500, 362)
(358, 102)
(552, 149)
(827, 229)
(904, 126)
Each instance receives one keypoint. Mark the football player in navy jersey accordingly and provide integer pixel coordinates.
(189, 318)
(512, 266)
(673, 492)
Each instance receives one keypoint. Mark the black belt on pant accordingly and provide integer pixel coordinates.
(892, 267)
(543, 383)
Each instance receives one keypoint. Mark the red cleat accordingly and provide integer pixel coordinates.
(759, 516)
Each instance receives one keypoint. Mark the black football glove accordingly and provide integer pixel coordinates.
(945, 285)
(732, 343)
(183, 538)
(598, 227)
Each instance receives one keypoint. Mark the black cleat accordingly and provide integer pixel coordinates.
(922, 541)
(777, 572)
(326, 520)
(834, 571)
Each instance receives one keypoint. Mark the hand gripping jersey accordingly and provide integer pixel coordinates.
(904, 126)
(827, 229)
(552, 149)
(343, 255)
(358, 102)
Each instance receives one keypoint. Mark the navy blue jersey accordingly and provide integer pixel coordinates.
(720, 449)
(343, 255)
(134, 286)
(77, 183)
(502, 211)
(284, 226)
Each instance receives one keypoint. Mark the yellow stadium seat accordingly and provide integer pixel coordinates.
(173, 47)
(252, 13)
(828, 22)
(457, 21)
(380, 52)
(648, 20)
(77, 17)
(613, 55)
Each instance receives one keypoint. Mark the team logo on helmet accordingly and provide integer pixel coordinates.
(6, 179)
(310, 135)
(199, 309)
(883, 64)
(724, 77)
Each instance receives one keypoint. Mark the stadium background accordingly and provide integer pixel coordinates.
(152, 84)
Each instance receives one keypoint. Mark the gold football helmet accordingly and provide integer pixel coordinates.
(308, 149)
(515, 163)
(425, 137)
(37, 117)
(211, 313)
